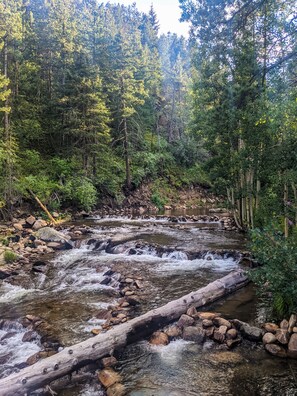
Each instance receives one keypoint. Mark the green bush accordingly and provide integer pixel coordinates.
(81, 192)
(277, 275)
(9, 256)
(158, 200)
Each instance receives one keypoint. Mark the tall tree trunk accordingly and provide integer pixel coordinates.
(286, 197)
(7, 137)
(127, 158)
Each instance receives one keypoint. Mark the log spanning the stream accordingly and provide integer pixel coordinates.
(74, 357)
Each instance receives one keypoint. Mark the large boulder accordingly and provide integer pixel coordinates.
(55, 239)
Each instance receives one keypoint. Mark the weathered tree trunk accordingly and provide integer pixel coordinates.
(43, 207)
(286, 198)
(76, 356)
(127, 158)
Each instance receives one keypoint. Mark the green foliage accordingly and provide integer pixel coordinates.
(10, 256)
(81, 192)
(277, 275)
(158, 200)
(40, 185)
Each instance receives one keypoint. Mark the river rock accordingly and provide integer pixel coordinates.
(292, 347)
(271, 327)
(39, 224)
(282, 336)
(108, 377)
(33, 359)
(195, 334)
(284, 325)
(133, 301)
(138, 284)
(231, 334)
(207, 315)
(29, 336)
(96, 331)
(276, 350)
(294, 329)
(109, 361)
(269, 338)
(218, 321)
(18, 226)
(292, 322)
(116, 390)
(225, 357)
(207, 323)
(209, 331)
(192, 312)
(30, 220)
(185, 320)
(159, 338)
(223, 329)
(218, 336)
(233, 343)
(173, 331)
(49, 234)
(5, 358)
(252, 333)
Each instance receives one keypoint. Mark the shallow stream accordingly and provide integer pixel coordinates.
(173, 258)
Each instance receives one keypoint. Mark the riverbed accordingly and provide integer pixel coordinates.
(173, 258)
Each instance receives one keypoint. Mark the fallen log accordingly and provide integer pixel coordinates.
(74, 357)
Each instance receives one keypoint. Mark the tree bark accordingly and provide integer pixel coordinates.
(79, 355)
(127, 158)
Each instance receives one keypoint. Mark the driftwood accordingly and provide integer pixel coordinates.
(79, 355)
(43, 207)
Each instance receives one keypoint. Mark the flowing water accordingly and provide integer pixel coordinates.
(173, 258)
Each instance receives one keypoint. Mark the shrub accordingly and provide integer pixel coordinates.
(277, 275)
(9, 256)
(158, 200)
(81, 192)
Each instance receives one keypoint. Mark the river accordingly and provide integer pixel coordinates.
(173, 258)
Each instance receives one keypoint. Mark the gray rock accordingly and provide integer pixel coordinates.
(185, 320)
(252, 333)
(195, 334)
(49, 234)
